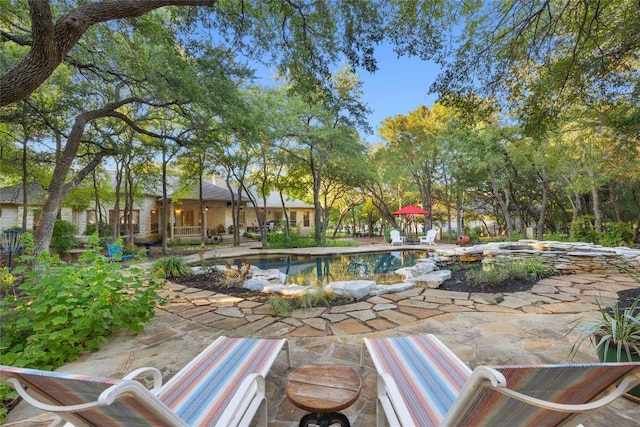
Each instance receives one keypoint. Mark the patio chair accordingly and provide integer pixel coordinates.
(396, 238)
(429, 239)
(221, 386)
(115, 252)
(422, 383)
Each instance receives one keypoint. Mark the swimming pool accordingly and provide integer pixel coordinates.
(311, 270)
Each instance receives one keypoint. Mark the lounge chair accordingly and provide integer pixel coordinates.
(422, 383)
(429, 239)
(115, 252)
(396, 238)
(221, 386)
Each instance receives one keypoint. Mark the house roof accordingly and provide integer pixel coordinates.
(273, 201)
(14, 193)
(211, 191)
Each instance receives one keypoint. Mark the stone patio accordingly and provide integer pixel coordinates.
(481, 328)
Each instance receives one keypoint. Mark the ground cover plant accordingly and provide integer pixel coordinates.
(171, 266)
(52, 311)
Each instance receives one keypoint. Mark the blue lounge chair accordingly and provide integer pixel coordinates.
(115, 252)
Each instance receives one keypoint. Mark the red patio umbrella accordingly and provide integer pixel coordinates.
(411, 210)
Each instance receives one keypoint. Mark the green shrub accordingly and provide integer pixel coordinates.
(63, 237)
(617, 233)
(103, 229)
(280, 240)
(534, 268)
(281, 305)
(315, 299)
(556, 237)
(515, 236)
(583, 229)
(474, 234)
(491, 277)
(172, 266)
(528, 269)
(63, 309)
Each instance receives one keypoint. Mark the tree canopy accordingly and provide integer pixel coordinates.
(536, 124)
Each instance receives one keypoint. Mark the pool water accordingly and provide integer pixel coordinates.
(311, 270)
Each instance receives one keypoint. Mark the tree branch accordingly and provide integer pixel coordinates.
(51, 42)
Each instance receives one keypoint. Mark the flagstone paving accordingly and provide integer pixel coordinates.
(481, 328)
(556, 295)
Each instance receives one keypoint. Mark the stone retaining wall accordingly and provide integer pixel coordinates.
(568, 257)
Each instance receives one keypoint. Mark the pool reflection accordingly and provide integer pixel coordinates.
(310, 270)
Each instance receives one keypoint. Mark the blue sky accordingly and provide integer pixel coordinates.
(399, 86)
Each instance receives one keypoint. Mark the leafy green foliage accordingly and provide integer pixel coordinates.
(490, 277)
(616, 328)
(583, 229)
(172, 266)
(617, 234)
(63, 310)
(63, 238)
(474, 234)
(281, 305)
(318, 298)
(556, 237)
(528, 269)
(280, 240)
(534, 268)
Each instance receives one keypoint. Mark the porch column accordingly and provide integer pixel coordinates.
(172, 221)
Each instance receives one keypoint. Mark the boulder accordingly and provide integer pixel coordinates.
(355, 288)
(432, 280)
(396, 287)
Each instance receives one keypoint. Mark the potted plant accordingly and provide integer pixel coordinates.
(615, 335)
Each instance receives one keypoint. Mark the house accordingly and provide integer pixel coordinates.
(183, 218)
(12, 205)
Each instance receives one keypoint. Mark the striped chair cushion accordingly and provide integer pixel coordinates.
(198, 393)
(428, 375)
(567, 384)
(65, 389)
(202, 389)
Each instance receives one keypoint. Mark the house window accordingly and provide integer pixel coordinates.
(135, 219)
(91, 217)
(187, 219)
(154, 221)
(293, 218)
(305, 219)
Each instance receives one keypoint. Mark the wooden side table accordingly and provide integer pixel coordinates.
(323, 390)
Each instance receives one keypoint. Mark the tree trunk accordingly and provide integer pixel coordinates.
(59, 187)
(116, 205)
(203, 231)
(287, 231)
(543, 207)
(165, 203)
(597, 212)
(504, 206)
(316, 172)
(25, 186)
(613, 199)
